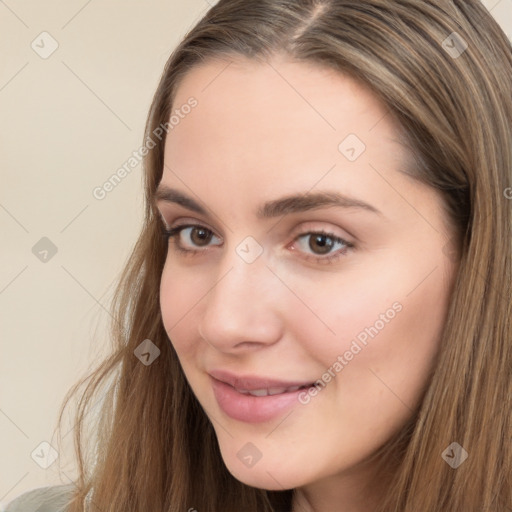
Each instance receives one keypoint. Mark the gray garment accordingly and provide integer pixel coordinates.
(44, 499)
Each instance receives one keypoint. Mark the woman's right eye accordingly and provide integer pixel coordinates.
(189, 238)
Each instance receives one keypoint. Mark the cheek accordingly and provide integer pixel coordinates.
(387, 332)
(379, 381)
(345, 313)
(179, 293)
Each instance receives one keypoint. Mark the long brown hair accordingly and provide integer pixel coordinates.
(444, 71)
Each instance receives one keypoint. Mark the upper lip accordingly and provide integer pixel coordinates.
(253, 382)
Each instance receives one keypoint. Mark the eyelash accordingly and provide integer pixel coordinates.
(173, 234)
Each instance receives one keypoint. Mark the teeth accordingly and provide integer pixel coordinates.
(258, 392)
(277, 391)
(270, 391)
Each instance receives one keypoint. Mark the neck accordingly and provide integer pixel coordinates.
(359, 491)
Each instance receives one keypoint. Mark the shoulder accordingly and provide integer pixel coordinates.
(45, 499)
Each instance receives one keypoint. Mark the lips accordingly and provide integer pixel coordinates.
(256, 385)
(254, 399)
(269, 391)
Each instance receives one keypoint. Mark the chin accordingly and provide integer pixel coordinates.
(262, 480)
(263, 476)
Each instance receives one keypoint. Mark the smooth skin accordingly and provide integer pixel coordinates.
(265, 131)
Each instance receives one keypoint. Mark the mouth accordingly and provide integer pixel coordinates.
(255, 399)
(271, 391)
(259, 386)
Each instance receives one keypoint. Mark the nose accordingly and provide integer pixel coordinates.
(242, 310)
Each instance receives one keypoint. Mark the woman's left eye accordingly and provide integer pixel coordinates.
(324, 246)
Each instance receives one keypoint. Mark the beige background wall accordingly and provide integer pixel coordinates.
(69, 120)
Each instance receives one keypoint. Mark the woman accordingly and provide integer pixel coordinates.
(325, 324)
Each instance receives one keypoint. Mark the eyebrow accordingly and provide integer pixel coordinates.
(275, 208)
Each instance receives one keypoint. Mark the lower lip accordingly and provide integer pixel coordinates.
(249, 408)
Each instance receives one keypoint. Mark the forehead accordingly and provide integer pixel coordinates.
(279, 90)
(258, 123)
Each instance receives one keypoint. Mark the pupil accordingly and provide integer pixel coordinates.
(321, 244)
(201, 236)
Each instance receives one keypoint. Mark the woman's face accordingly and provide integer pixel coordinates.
(313, 259)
